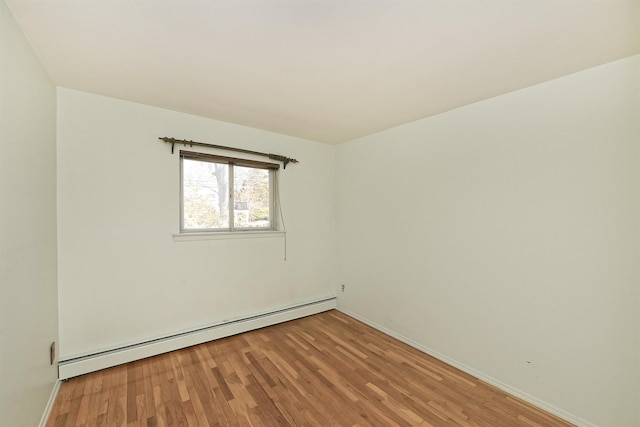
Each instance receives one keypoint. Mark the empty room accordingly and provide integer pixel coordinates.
(320, 212)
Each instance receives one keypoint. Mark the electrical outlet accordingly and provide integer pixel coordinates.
(342, 287)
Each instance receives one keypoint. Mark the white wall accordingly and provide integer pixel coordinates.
(505, 236)
(122, 277)
(28, 278)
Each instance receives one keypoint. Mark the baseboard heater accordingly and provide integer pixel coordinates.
(74, 367)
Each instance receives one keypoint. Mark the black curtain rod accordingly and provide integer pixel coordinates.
(285, 160)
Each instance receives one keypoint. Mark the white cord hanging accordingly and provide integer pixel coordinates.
(284, 227)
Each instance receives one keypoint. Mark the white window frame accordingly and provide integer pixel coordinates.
(231, 162)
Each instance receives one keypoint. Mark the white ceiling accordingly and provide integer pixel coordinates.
(325, 70)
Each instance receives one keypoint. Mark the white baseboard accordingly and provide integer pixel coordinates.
(561, 413)
(82, 365)
(52, 400)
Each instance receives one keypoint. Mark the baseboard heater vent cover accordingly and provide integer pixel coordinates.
(70, 368)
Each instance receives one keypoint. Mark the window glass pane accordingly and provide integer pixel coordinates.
(251, 197)
(205, 195)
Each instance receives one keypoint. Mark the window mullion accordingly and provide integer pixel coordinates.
(231, 198)
(272, 200)
(182, 227)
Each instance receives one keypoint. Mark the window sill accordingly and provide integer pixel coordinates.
(224, 235)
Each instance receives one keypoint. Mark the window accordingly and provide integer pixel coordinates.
(226, 194)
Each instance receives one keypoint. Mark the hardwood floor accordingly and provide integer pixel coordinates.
(323, 370)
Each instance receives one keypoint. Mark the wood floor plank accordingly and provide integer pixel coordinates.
(322, 370)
